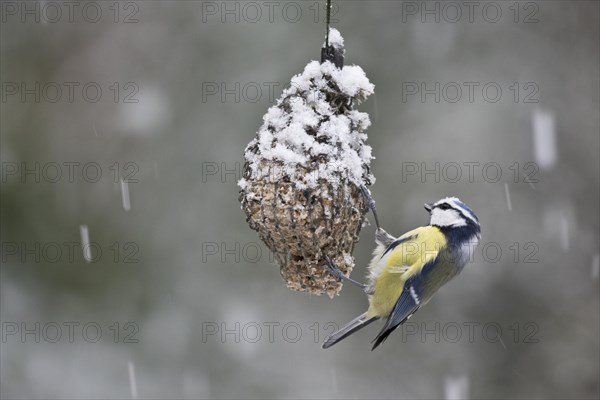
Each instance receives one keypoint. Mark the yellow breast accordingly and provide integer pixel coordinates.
(395, 267)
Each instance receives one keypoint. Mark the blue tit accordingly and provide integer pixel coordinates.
(406, 272)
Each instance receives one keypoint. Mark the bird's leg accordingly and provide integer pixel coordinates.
(381, 236)
(370, 203)
(335, 271)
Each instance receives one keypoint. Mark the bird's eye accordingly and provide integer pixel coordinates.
(444, 206)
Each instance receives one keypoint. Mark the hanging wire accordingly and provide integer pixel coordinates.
(333, 54)
(328, 20)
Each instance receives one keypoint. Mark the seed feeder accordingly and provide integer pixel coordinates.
(303, 171)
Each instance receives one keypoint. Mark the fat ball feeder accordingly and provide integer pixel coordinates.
(305, 171)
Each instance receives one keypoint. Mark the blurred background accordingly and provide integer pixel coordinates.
(128, 269)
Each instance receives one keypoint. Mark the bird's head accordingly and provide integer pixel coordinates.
(452, 213)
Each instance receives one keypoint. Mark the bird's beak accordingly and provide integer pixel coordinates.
(428, 207)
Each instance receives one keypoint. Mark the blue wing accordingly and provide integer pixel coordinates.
(408, 303)
(396, 243)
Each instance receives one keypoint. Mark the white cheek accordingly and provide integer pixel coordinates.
(446, 218)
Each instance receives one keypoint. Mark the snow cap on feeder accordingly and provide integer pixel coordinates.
(303, 171)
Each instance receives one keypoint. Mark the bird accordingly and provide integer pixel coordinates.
(405, 272)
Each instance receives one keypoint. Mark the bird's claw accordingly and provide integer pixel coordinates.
(367, 196)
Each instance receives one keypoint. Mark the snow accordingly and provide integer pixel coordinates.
(352, 80)
(544, 138)
(305, 131)
(507, 193)
(85, 242)
(456, 388)
(132, 381)
(125, 195)
(335, 39)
